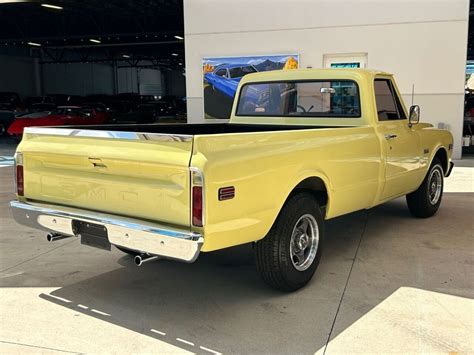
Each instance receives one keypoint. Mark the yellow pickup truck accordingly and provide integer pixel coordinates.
(302, 146)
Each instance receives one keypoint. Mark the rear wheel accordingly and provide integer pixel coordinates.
(425, 201)
(289, 255)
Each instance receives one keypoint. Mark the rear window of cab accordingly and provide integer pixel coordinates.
(323, 98)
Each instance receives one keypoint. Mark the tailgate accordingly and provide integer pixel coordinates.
(126, 173)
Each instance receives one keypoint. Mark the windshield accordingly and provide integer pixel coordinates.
(329, 98)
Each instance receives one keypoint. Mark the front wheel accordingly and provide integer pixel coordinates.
(425, 201)
(289, 255)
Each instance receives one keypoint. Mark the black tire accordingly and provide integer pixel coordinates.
(273, 253)
(127, 251)
(425, 201)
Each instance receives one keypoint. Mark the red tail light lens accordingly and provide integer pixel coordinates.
(19, 180)
(197, 206)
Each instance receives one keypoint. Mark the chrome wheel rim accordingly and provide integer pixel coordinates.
(304, 242)
(435, 184)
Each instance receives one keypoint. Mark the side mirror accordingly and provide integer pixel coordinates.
(414, 115)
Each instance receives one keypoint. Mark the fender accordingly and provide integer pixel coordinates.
(297, 180)
(435, 152)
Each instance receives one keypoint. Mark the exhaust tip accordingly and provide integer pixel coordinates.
(138, 260)
(144, 258)
(52, 237)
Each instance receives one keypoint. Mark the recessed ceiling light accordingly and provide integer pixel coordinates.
(34, 44)
(55, 7)
(94, 40)
(180, 63)
(174, 54)
(178, 37)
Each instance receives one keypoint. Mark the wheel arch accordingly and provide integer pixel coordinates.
(315, 184)
(442, 155)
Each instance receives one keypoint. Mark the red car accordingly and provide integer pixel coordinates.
(61, 116)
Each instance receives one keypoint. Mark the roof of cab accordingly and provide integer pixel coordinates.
(308, 74)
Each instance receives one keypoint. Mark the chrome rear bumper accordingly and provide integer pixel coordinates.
(142, 236)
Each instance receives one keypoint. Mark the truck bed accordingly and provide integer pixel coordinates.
(197, 129)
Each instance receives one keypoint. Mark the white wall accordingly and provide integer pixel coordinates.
(78, 79)
(423, 42)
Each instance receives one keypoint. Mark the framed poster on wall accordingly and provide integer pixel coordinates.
(221, 76)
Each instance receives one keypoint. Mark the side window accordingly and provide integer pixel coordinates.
(221, 72)
(388, 104)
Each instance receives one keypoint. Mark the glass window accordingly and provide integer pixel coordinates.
(305, 98)
(388, 104)
(221, 72)
(241, 71)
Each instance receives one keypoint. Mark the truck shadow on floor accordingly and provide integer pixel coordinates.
(220, 304)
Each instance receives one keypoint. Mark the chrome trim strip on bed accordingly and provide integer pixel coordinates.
(126, 135)
(142, 236)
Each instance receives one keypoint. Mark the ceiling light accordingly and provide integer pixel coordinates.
(94, 40)
(55, 7)
(126, 56)
(178, 37)
(175, 54)
(34, 44)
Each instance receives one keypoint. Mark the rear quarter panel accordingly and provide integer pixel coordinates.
(265, 167)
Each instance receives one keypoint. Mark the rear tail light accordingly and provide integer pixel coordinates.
(19, 178)
(197, 186)
(197, 206)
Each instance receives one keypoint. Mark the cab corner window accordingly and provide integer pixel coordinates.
(389, 106)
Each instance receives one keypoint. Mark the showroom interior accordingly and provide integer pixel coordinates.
(387, 282)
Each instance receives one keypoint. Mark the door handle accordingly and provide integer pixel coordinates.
(390, 136)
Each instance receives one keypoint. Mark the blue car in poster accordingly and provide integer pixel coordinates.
(225, 77)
